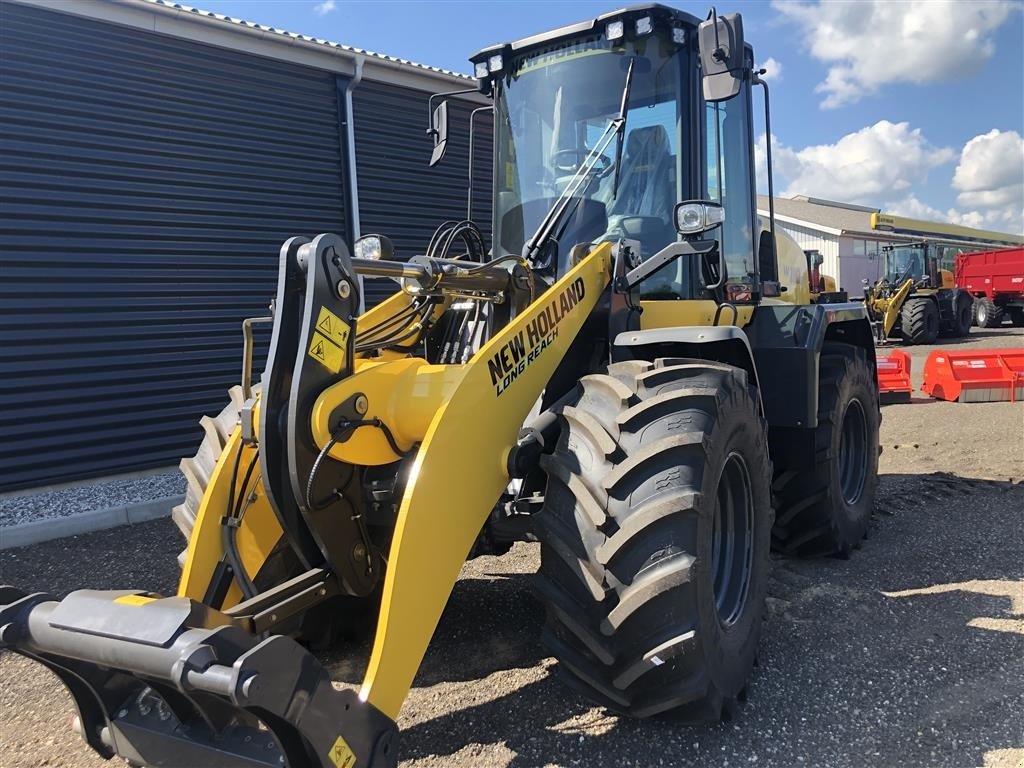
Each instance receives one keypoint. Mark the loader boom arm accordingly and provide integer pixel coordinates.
(461, 470)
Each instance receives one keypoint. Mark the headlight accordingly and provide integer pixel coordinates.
(695, 217)
(373, 247)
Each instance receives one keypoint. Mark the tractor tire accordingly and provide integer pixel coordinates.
(323, 625)
(655, 539)
(963, 316)
(1016, 316)
(919, 321)
(987, 314)
(198, 469)
(825, 508)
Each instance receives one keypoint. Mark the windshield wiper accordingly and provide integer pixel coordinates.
(616, 129)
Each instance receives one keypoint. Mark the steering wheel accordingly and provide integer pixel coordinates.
(579, 156)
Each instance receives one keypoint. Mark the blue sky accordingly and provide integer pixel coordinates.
(915, 107)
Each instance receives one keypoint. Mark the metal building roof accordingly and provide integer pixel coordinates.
(286, 35)
(831, 216)
(185, 22)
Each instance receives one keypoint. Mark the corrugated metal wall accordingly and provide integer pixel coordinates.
(146, 185)
(399, 195)
(809, 239)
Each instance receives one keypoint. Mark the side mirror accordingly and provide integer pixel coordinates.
(375, 247)
(721, 46)
(439, 131)
(695, 217)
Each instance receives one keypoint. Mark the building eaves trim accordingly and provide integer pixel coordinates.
(802, 223)
(201, 26)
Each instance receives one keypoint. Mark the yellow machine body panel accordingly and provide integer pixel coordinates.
(673, 314)
(461, 469)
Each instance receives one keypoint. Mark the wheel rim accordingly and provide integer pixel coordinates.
(853, 458)
(732, 545)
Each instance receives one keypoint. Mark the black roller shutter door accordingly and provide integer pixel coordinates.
(147, 185)
(399, 195)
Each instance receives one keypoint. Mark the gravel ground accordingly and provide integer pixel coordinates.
(25, 507)
(909, 653)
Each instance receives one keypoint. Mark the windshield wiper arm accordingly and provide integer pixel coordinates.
(621, 130)
(580, 180)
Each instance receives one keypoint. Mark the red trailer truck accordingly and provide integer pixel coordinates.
(996, 281)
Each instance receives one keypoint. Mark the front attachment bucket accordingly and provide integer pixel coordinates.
(171, 682)
(894, 377)
(975, 376)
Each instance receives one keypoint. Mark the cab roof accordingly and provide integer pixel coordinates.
(661, 15)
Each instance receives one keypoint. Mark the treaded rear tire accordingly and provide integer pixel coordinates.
(627, 539)
(812, 515)
(987, 313)
(919, 321)
(963, 317)
(198, 469)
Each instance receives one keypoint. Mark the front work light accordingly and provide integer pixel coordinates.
(695, 217)
(644, 26)
(480, 70)
(615, 30)
(495, 63)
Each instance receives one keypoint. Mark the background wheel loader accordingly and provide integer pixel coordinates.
(917, 298)
(634, 375)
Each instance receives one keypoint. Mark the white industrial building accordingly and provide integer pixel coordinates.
(851, 237)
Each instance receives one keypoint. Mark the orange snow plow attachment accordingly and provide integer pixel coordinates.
(976, 376)
(894, 377)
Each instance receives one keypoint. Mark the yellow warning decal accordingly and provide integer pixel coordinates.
(341, 754)
(332, 326)
(134, 599)
(325, 352)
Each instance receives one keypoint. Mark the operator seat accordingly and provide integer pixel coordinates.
(643, 207)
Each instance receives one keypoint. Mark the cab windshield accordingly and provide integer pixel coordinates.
(905, 263)
(551, 110)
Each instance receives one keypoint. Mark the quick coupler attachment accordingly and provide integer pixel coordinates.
(171, 682)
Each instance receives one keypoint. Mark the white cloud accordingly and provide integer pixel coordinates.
(990, 177)
(324, 7)
(913, 208)
(871, 43)
(861, 167)
(772, 69)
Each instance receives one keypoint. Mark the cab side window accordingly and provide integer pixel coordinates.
(729, 180)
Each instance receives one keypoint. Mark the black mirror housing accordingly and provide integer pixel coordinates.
(439, 131)
(722, 56)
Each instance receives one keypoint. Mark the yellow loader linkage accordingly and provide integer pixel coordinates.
(460, 466)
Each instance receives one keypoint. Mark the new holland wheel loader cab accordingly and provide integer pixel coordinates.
(634, 375)
(917, 298)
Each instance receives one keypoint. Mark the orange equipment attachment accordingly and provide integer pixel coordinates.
(894, 377)
(975, 376)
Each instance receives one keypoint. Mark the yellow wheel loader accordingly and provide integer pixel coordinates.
(823, 287)
(917, 299)
(633, 375)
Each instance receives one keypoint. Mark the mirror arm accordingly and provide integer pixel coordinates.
(768, 157)
(661, 259)
(472, 133)
(431, 131)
